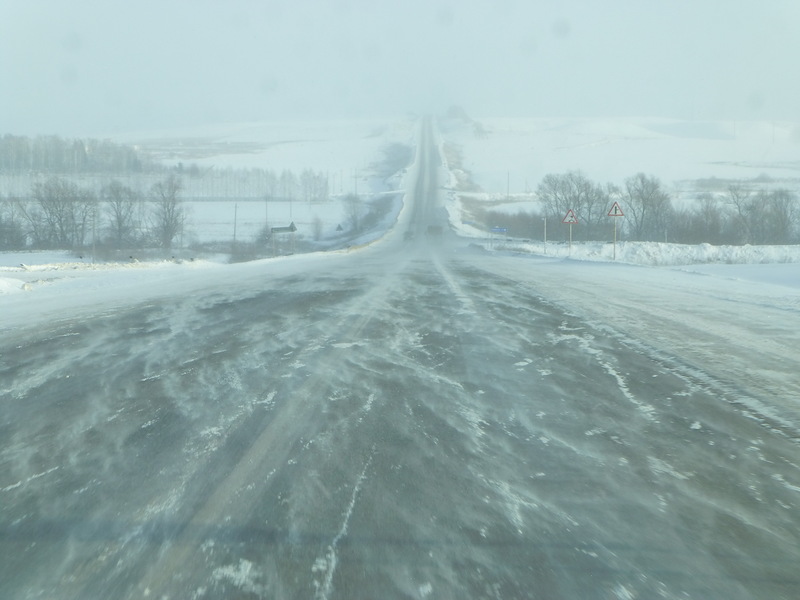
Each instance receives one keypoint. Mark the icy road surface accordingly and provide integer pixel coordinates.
(413, 420)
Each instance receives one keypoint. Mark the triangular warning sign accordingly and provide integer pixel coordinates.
(616, 210)
(570, 218)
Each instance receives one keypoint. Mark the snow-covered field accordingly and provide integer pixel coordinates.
(219, 221)
(340, 148)
(512, 155)
(607, 150)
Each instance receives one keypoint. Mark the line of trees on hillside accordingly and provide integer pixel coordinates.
(308, 185)
(53, 154)
(24, 160)
(61, 214)
(742, 215)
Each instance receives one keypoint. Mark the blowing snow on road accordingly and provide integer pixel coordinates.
(414, 419)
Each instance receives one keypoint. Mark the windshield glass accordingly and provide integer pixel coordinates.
(423, 300)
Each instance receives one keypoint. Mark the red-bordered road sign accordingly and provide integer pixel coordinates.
(616, 210)
(570, 218)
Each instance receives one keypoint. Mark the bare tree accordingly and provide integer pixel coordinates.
(740, 199)
(711, 219)
(649, 207)
(121, 204)
(168, 214)
(778, 214)
(573, 191)
(12, 236)
(270, 184)
(764, 217)
(314, 185)
(287, 184)
(60, 214)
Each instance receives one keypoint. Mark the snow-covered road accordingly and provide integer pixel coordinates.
(417, 419)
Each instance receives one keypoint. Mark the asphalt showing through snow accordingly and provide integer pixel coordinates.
(408, 425)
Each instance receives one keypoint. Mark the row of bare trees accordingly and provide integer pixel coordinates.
(308, 185)
(62, 214)
(57, 155)
(648, 205)
(751, 216)
(23, 159)
(741, 215)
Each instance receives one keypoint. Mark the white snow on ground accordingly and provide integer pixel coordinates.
(514, 154)
(647, 253)
(59, 291)
(35, 286)
(342, 148)
(216, 221)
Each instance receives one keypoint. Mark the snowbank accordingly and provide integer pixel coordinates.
(652, 253)
(9, 285)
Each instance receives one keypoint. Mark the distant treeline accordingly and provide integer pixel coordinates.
(57, 193)
(55, 155)
(743, 214)
(132, 212)
(61, 214)
(28, 161)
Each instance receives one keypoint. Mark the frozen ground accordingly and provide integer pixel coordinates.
(340, 148)
(507, 150)
(413, 418)
(512, 155)
(46, 285)
(46, 274)
(42, 285)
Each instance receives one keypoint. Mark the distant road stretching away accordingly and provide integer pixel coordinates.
(407, 420)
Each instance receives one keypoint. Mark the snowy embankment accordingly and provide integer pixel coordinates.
(656, 254)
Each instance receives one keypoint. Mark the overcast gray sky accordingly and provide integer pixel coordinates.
(80, 67)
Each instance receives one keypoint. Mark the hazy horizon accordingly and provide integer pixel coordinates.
(100, 68)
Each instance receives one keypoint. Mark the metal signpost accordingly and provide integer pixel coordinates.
(570, 219)
(616, 211)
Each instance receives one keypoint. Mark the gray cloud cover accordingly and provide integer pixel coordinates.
(95, 67)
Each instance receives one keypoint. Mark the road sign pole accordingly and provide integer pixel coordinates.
(569, 250)
(570, 219)
(616, 211)
(615, 239)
